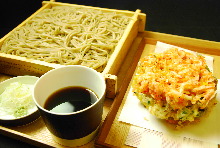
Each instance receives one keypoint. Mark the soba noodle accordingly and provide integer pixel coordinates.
(68, 36)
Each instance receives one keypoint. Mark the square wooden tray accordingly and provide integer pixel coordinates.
(113, 133)
(15, 65)
(120, 70)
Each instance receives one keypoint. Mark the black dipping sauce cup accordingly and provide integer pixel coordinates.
(75, 128)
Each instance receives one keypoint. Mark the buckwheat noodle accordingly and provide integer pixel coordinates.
(68, 36)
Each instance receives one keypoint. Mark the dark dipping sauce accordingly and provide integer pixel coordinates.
(70, 99)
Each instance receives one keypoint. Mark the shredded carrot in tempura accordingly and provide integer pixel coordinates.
(176, 77)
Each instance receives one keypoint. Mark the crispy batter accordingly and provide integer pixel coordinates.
(175, 84)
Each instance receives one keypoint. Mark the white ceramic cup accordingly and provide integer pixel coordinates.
(76, 128)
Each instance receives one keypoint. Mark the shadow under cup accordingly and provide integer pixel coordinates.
(76, 128)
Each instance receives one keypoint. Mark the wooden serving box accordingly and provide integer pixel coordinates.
(15, 65)
(112, 132)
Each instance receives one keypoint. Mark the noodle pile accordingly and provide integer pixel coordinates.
(68, 36)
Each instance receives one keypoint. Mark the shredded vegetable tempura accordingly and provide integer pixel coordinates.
(175, 85)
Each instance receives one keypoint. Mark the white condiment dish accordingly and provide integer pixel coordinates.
(33, 113)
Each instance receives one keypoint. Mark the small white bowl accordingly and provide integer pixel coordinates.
(29, 81)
